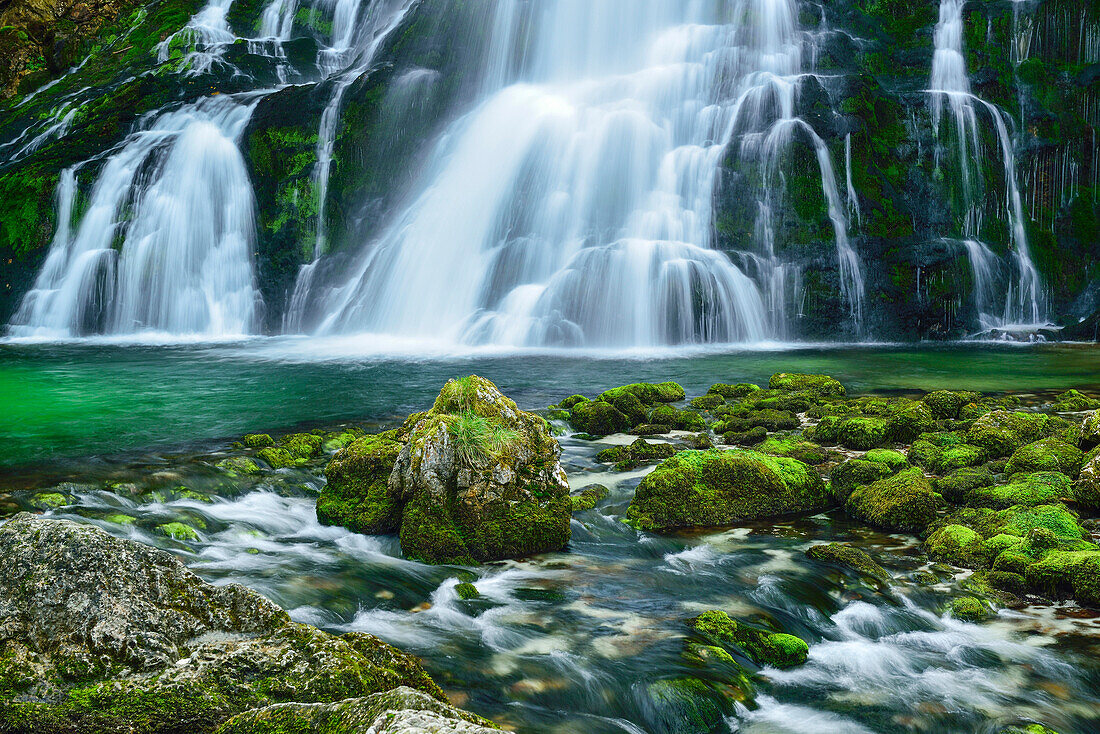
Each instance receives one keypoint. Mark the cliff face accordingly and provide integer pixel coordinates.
(928, 211)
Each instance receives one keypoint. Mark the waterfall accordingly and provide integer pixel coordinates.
(574, 204)
(165, 242)
(1024, 301)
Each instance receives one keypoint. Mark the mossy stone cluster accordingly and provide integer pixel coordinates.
(635, 454)
(641, 408)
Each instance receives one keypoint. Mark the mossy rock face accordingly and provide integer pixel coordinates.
(402, 709)
(842, 554)
(955, 486)
(958, 545)
(1087, 489)
(1037, 488)
(910, 422)
(588, 497)
(1047, 454)
(1002, 432)
(716, 487)
(863, 433)
(356, 494)
(825, 432)
(178, 531)
(640, 452)
(762, 646)
(681, 420)
(181, 654)
(969, 609)
(647, 393)
(303, 445)
(1063, 574)
(947, 403)
(944, 452)
(904, 501)
(598, 418)
(479, 479)
(821, 385)
(854, 473)
(710, 401)
(1090, 431)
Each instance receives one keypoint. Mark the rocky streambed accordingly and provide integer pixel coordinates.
(758, 558)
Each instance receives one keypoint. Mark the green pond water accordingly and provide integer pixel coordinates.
(68, 401)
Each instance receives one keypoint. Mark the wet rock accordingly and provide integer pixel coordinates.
(863, 433)
(1002, 432)
(821, 385)
(598, 418)
(689, 705)
(904, 501)
(303, 445)
(969, 609)
(944, 452)
(479, 479)
(108, 635)
(716, 487)
(873, 466)
(947, 403)
(1090, 431)
(402, 710)
(1036, 488)
(356, 493)
(640, 452)
(1087, 489)
(958, 545)
(763, 647)
(1047, 454)
(257, 440)
(1074, 401)
(955, 486)
(588, 497)
(842, 554)
(734, 392)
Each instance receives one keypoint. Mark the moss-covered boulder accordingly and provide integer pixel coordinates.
(848, 556)
(736, 391)
(479, 479)
(276, 457)
(257, 440)
(1036, 488)
(955, 486)
(587, 498)
(968, 609)
(598, 418)
(356, 493)
(1047, 454)
(762, 646)
(820, 385)
(863, 433)
(959, 545)
(796, 447)
(944, 452)
(647, 393)
(717, 487)
(681, 420)
(854, 473)
(108, 635)
(1061, 574)
(633, 455)
(1002, 432)
(1090, 431)
(1087, 489)
(689, 705)
(239, 466)
(1074, 401)
(947, 403)
(904, 501)
(910, 422)
(303, 445)
(752, 437)
(402, 710)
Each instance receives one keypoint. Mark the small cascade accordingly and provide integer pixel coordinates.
(574, 205)
(206, 36)
(165, 241)
(951, 96)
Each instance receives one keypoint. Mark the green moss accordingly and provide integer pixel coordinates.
(257, 440)
(751, 437)
(276, 457)
(640, 452)
(49, 500)
(120, 519)
(302, 445)
(947, 404)
(893, 459)
(762, 646)
(863, 433)
(356, 494)
(910, 422)
(1038, 488)
(826, 431)
(958, 545)
(821, 385)
(710, 401)
(904, 501)
(239, 466)
(842, 554)
(969, 609)
(944, 452)
(795, 447)
(688, 705)
(1067, 574)
(588, 497)
(959, 483)
(646, 392)
(178, 531)
(599, 418)
(1002, 432)
(467, 591)
(1047, 454)
(734, 392)
(714, 487)
(1074, 401)
(854, 473)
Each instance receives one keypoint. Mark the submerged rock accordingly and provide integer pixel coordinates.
(478, 480)
(842, 554)
(588, 497)
(403, 710)
(716, 487)
(762, 646)
(108, 635)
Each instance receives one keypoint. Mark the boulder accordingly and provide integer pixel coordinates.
(947, 403)
(598, 418)
(1002, 432)
(356, 493)
(820, 385)
(108, 635)
(1090, 431)
(640, 452)
(717, 487)
(910, 422)
(1046, 454)
(402, 710)
(762, 646)
(863, 433)
(479, 479)
(904, 501)
(1087, 489)
(944, 452)
(588, 497)
(842, 554)
(1036, 488)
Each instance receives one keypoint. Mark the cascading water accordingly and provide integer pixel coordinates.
(1024, 301)
(574, 204)
(181, 262)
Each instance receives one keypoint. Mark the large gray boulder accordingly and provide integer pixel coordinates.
(100, 634)
(400, 711)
